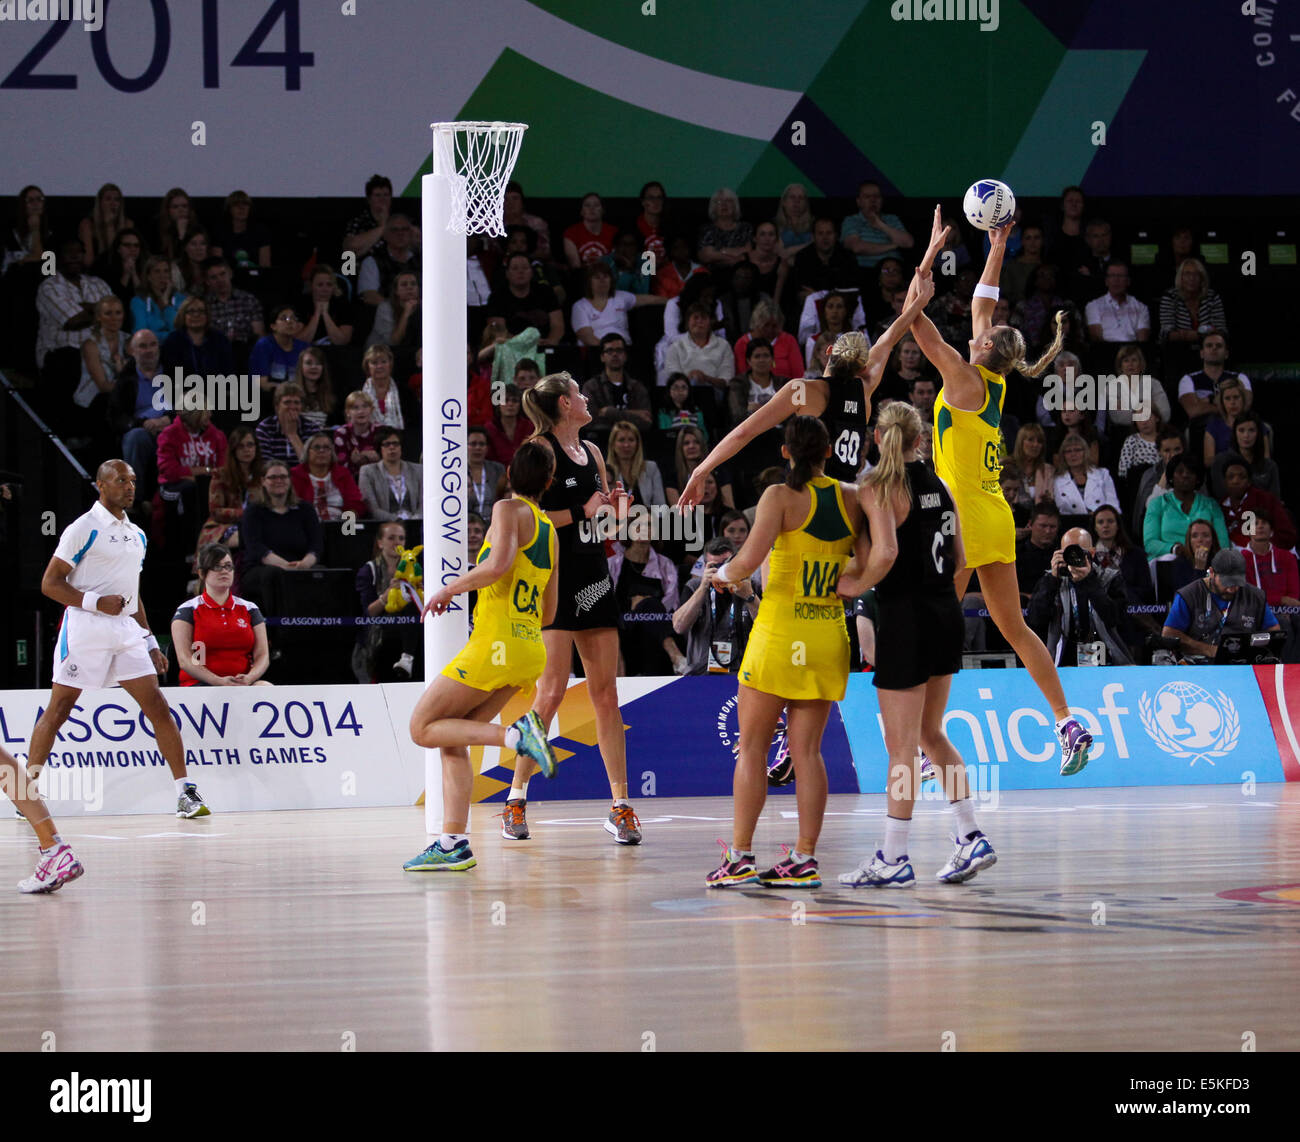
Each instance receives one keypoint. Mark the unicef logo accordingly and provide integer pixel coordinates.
(1186, 720)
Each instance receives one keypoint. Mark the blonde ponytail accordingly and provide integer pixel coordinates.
(900, 428)
(1040, 366)
(849, 353)
(541, 403)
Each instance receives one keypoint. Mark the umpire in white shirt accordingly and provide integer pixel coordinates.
(105, 637)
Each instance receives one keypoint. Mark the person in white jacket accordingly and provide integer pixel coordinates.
(702, 355)
(1082, 488)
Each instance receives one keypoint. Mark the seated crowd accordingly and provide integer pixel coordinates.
(1158, 481)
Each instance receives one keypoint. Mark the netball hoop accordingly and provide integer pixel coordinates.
(465, 195)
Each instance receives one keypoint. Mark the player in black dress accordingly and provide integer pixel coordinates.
(915, 550)
(587, 611)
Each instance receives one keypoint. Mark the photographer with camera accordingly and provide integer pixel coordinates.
(1214, 611)
(716, 617)
(1078, 608)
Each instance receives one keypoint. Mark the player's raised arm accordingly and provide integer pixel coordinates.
(984, 303)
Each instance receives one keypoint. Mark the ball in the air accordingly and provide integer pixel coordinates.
(989, 203)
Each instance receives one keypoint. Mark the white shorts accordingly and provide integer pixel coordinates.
(98, 650)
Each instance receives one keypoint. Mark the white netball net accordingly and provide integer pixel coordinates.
(477, 160)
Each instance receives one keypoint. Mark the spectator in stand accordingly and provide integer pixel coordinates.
(1189, 310)
(275, 357)
(1017, 274)
(626, 460)
(612, 394)
(1088, 277)
(1229, 403)
(516, 214)
(824, 264)
(645, 587)
(1191, 560)
(752, 389)
(1243, 503)
(1034, 553)
(243, 243)
(103, 357)
(700, 289)
(767, 323)
(678, 410)
(377, 644)
(312, 375)
(283, 434)
(650, 224)
(702, 355)
(878, 301)
(230, 486)
(329, 319)
(327, 485)
(1116, 550)
(236, 312)
(1081, 487)
(220, 639)
(793, 221)
(1196, 390)
(1117, 317)
(524, 303)
(1071, 419)
(1073, 608)
(1065, 242)
(399, 324)
(365, 233)
(727, 240)
(602, 309)
(507, 429)
(1019, 499)
(738, 301)
(527, 374)
(1028, 460)
(66, 303)
(475, 534)
(121, 265)
(175, 221)
(1155, 481)
(279, 533)
(1272, 569)
(734, 527)
(30, 236)
(1219, 603)
(355, 441)
(1169, 516)
(394, 488)
(1251, 444)
(871, 235)
(921, 396)
(1142, 446)
(485, 480)
(951, 311)
(833, 318)
(771, 267)
(1035, 314)
(398, 253)
(187, 266)
(906, 364)
(678, 269)
(628, 267)
(591, 238)
(689, 451)
(156, 303)
(716, 618)
(1128, 399)
(139, 410)
(388, 397)
(190, 448)
(194, 346)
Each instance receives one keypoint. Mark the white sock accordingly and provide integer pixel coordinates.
(518, 792)
(734, 854)
(54, 844)
(181, 782)
(1061, 723)
(799, 857)
(895, 846)
(512, 737)
(449, 841)
(622, 801)
(963, 812)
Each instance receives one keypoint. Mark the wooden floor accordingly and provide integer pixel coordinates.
(290, 931)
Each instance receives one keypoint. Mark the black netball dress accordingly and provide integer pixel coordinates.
(919, 628)
(586, 592)
(845, 418)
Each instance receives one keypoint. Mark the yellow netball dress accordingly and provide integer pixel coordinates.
(505, 648)
(799, 647)
(967, 456)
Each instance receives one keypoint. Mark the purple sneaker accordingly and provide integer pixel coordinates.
(1075, 743)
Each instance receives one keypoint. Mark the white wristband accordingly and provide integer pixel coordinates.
(720, 575)
(150, 643)
(991, 292)
(90, 602)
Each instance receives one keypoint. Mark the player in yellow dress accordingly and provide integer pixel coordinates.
(967, 456)
(797, 657)
(517, 585)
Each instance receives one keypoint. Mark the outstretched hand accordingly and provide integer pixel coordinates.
(998, 235)
(938, 236)
(438, 602)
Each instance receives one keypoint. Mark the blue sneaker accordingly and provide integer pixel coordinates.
(1075, 743)
(880, 873)
(436, 859)
(970, 855)
(533, 743)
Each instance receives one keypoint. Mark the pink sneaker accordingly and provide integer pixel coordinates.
(55, 868)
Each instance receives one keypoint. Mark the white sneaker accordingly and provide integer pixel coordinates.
(880, 873)
(405, 665)
(55, 869)
(967, 858)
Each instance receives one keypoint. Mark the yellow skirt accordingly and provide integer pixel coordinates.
(494, 658)
(988, 529)
(798, 658)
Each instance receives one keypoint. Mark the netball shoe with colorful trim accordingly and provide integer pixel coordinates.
(790, 873)
(1075, 744)
(737, 869)
(968, 857)
(880, 873)
(437, 859)
(56, 868)
(533, 744)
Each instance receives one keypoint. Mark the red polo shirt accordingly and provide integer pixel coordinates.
(225, 632)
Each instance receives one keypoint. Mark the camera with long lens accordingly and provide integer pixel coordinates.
(1073, 556)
